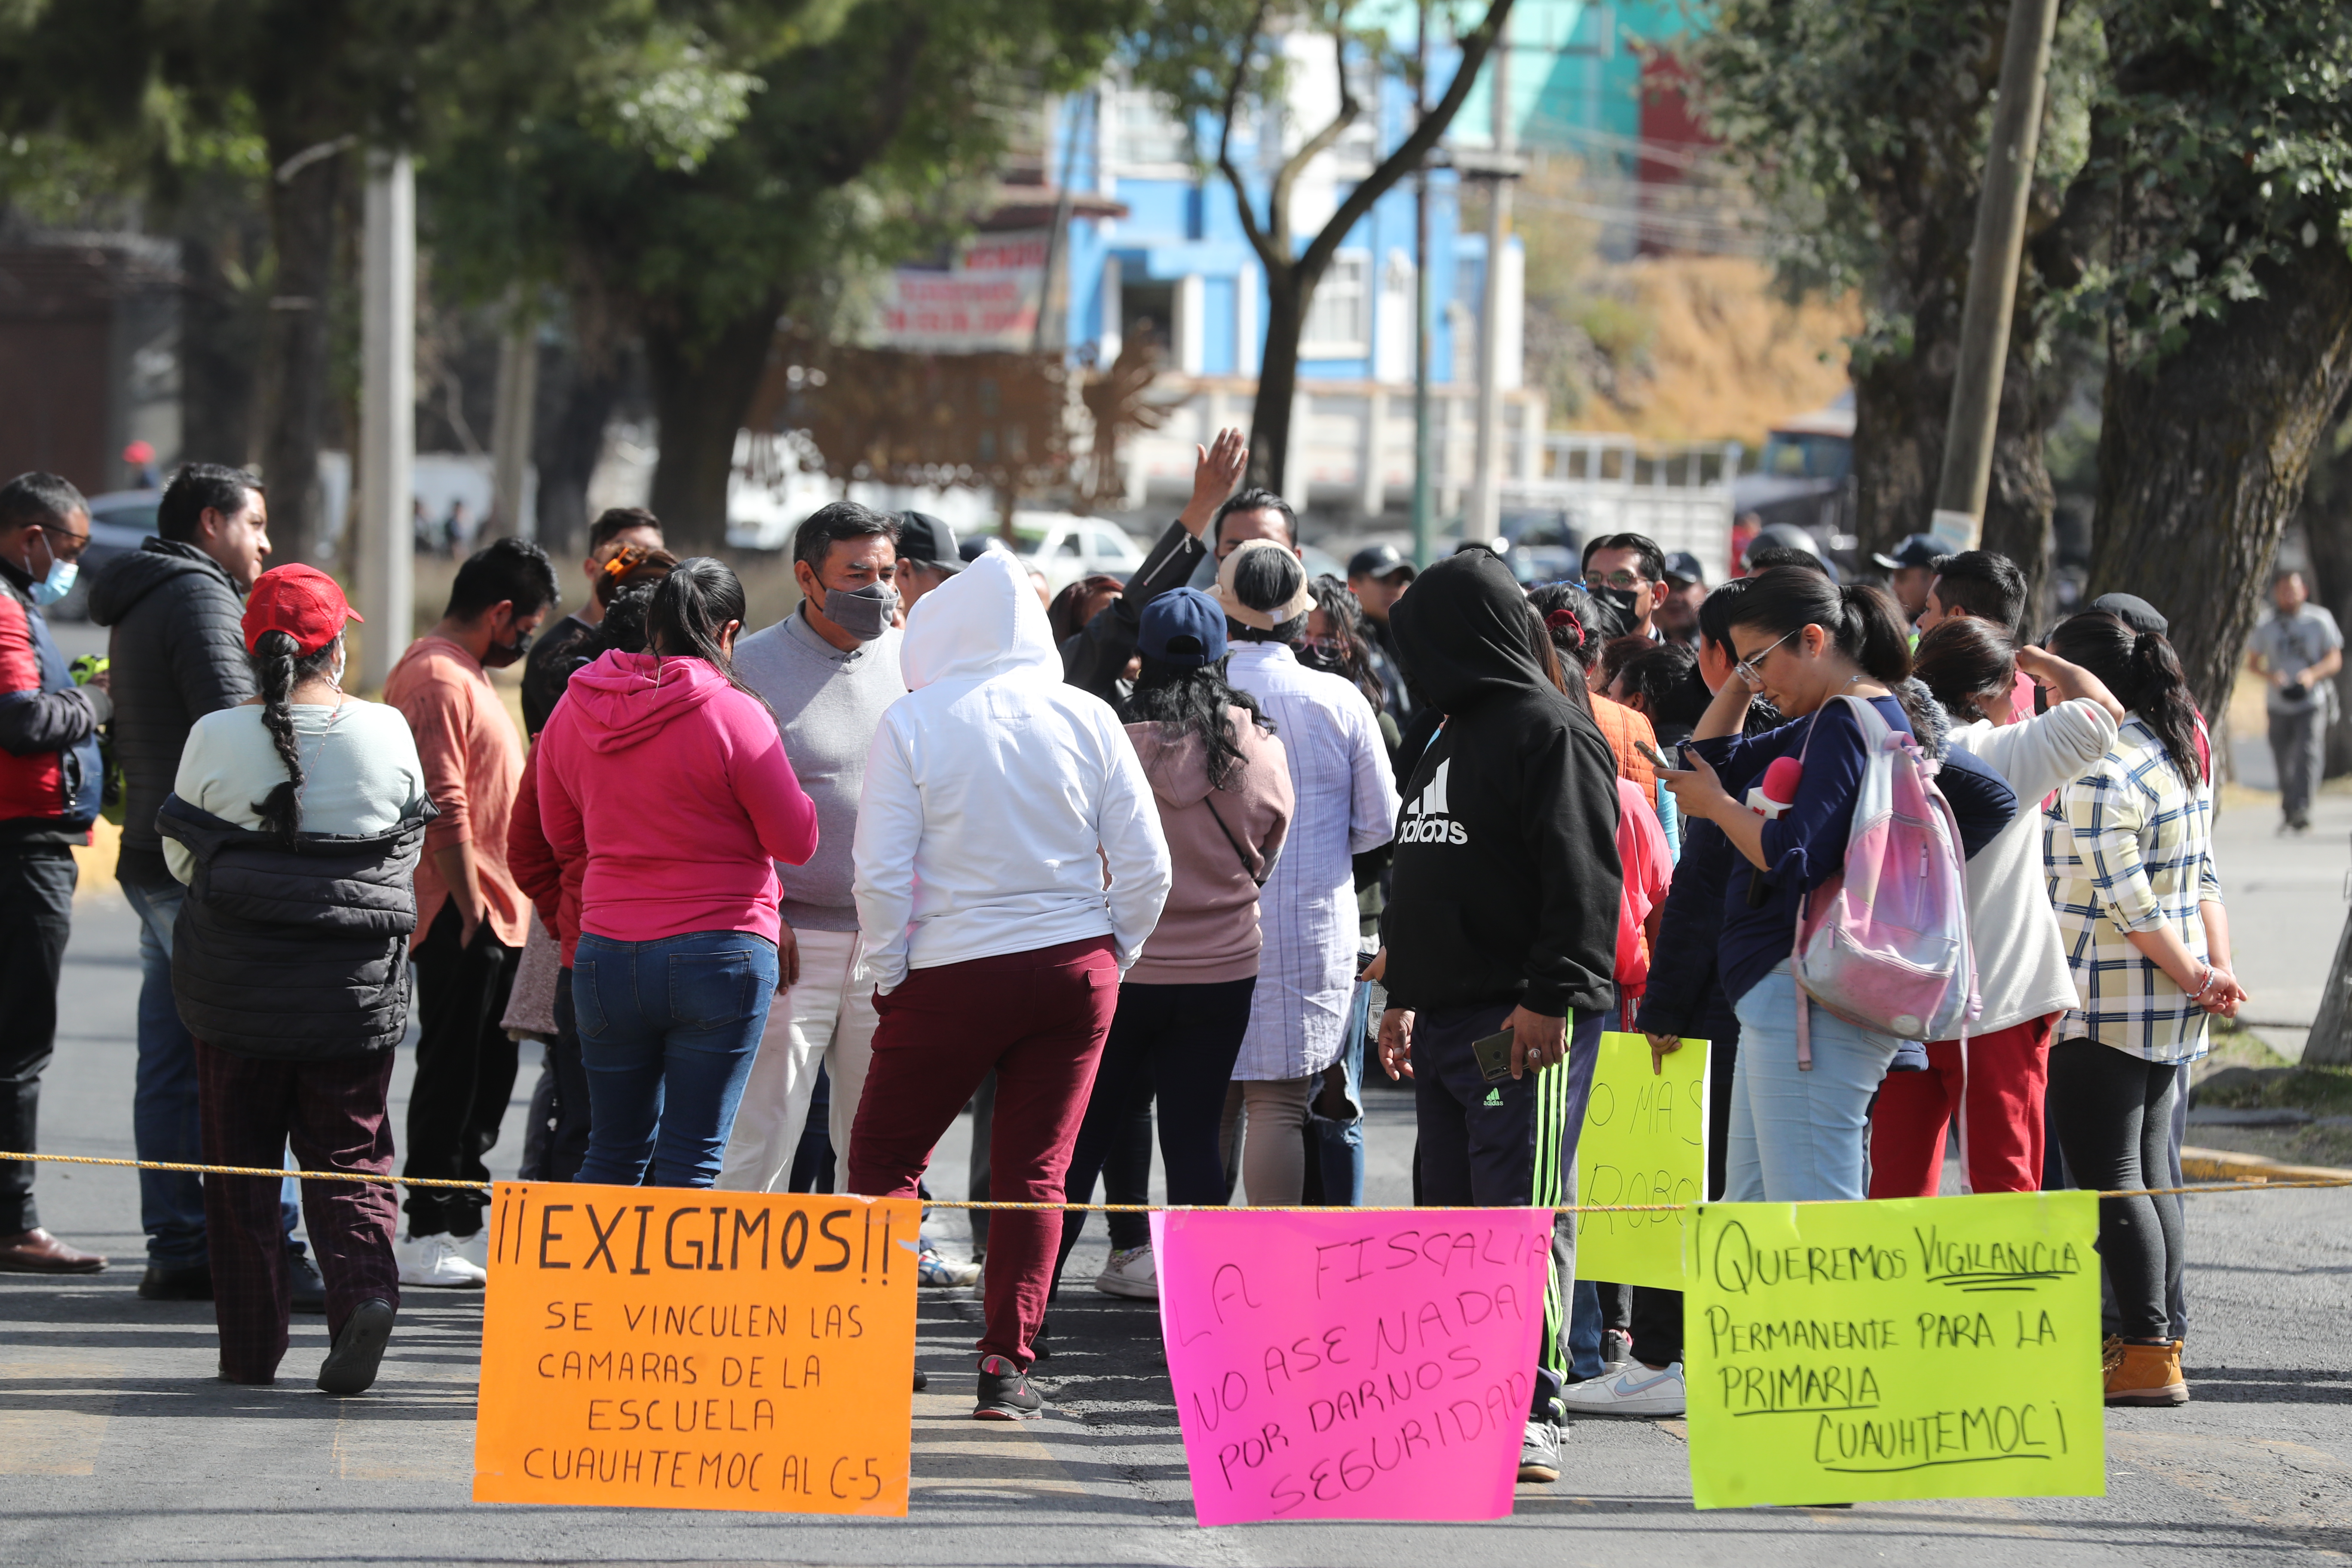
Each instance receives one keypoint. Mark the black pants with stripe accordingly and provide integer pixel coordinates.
(1510, 1144)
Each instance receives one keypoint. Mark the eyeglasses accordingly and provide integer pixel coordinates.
(64, 544)
(1618, 579)
(1747, 668)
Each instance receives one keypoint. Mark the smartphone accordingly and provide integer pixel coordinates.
(1657, 760)
(1493, 1055)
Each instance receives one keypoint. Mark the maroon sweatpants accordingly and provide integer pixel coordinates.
(333, 1114)
(2008, 1071)
(1039, 1019)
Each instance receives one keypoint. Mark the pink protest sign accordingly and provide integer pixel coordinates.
(1341, 1364)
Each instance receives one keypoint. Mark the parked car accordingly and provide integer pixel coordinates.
(120, 521)
(1067, 547)
(1805, 478)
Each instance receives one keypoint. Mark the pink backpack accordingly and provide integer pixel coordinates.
(1884, 945)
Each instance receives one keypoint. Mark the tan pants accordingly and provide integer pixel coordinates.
(1272, 1135)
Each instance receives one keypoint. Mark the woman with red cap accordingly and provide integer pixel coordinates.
(296, 819)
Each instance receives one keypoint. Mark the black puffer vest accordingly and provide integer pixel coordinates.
(294, 953)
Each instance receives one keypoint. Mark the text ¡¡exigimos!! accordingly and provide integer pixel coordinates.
(660, 1347)
(1907, 1349)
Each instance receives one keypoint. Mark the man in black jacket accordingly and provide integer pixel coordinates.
(1097, 658)
(1503, 920)
(176, 654)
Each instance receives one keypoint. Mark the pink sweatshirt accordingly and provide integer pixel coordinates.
(1208, 928)
(674, 787)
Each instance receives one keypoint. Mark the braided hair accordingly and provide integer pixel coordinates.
(279, 668)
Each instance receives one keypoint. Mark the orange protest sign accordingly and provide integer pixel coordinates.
(666, 1347)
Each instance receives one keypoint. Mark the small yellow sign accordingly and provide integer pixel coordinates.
(1906, 1349)
(1644, 1141)
(665, 1347)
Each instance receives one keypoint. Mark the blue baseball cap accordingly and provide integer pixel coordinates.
(1182, 627)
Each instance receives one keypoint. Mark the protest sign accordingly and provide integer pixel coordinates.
(1341, 1364)
(666, 1347)
(1644, 1141)
(1906, 1349)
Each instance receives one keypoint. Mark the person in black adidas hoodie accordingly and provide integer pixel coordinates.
(1504, 917)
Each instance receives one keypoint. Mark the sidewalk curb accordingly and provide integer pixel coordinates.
(2222, 1165)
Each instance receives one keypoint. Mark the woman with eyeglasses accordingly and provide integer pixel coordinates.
(1798, 1134)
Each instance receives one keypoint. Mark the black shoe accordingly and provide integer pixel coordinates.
(351, 1365)
(309, 1291)
(1005, 1393)
(189, 1282)
(922, 1380)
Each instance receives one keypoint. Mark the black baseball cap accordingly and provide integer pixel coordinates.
(924, 538)
(1682, 566)
(2132, 611)
(1378, 560)
(1915, 549)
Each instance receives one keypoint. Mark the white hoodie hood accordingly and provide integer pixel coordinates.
(983, 622)
(996, 798)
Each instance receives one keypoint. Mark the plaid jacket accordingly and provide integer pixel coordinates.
(2129, 847)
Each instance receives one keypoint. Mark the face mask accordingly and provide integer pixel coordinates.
(1621, 597)
(863, 614)
(341, 659)
(498, 655)
(58, 584)
(1323, 653)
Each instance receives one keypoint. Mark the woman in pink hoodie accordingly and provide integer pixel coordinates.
(1222, 788)
(668, 776)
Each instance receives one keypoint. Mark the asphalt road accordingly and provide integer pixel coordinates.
(117, 1445)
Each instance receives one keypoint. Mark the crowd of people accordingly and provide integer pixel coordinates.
(1186, 853)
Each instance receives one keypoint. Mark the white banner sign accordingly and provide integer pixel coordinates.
(985, 301)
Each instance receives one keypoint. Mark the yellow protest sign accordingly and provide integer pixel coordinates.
(1644, 1141)
(1907, 1349)
(667, 1347)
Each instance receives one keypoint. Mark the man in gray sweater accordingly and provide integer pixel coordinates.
(176, 654)
(828, 670)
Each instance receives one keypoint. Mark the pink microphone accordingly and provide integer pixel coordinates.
(1778, 793)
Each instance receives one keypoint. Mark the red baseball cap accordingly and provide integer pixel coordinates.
(300, 601)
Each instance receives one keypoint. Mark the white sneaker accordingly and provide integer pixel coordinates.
(1131, 1273)
(1636, 1391)
(436, 1262)
(476, 1250)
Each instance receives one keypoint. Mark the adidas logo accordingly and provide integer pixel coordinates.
(1494, 1096)
(1425, 820)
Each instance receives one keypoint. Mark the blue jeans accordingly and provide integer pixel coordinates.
(1798, 1136)
(667, 1031)
(1339, 1141)
(164, 1123)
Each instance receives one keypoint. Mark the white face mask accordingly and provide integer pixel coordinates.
(341, 659)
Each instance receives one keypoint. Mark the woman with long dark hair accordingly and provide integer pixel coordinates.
(1223, 790)
(1798, 1130)
(1994, 1079)
(2130, 855)
(296, 819)
(668, 776)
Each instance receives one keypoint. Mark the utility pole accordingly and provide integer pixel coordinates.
(1993, 274)
(1486, 519)
(510, 427)
(1423, 459)
(386, 554)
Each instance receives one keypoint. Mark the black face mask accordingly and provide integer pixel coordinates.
(498, 655)
(1624, 598)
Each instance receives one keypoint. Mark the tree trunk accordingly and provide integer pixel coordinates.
(2327, 519)
(699, 396)
(568, 441)
(220, 322)
(1277, 383)
(2203, 459)
(297, 387)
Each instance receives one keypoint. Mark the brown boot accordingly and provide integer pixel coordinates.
(2148, 1374)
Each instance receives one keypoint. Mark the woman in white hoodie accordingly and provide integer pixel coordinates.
(998, 802)
(1996, 1081)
